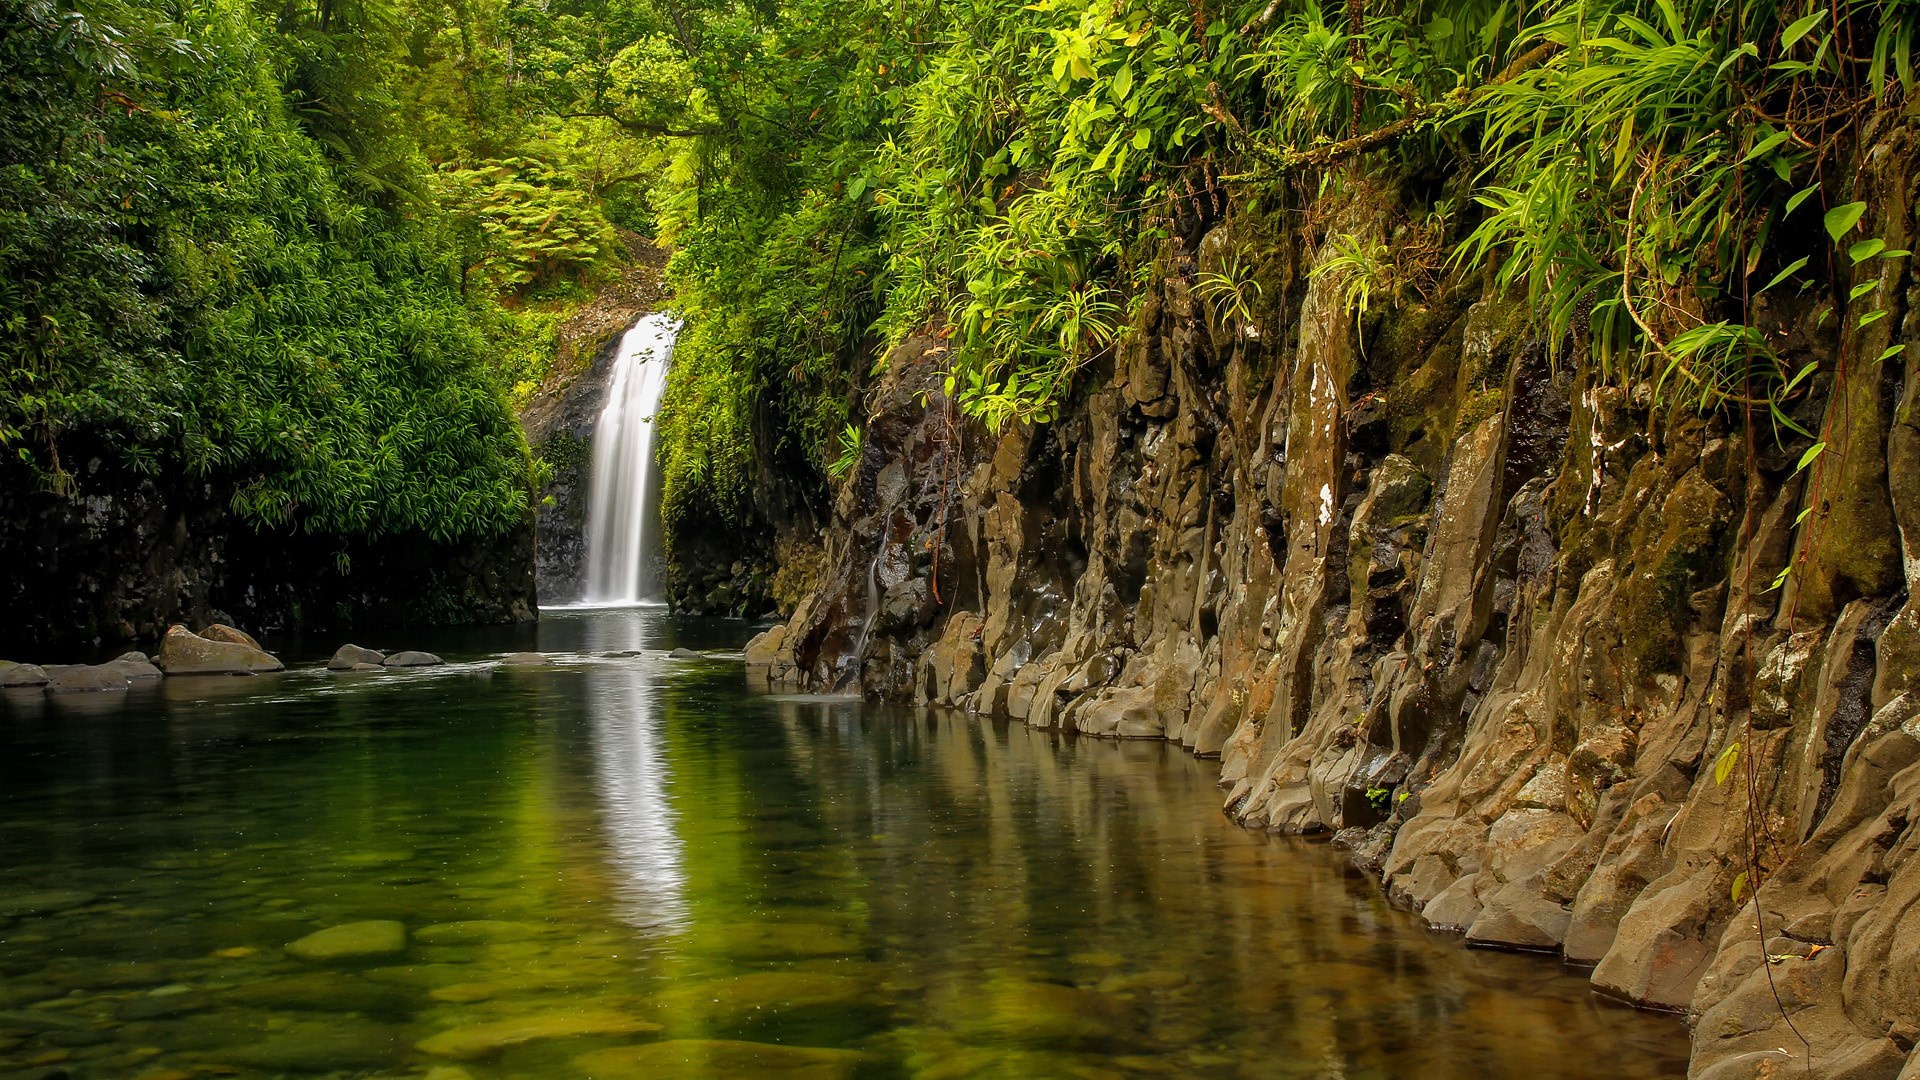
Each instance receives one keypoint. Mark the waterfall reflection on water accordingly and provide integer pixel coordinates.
(631, 771)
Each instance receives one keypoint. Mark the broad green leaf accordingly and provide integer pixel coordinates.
(1799, 197)
(1891, 352)
(1866, 249)
(1841, 219)
(1812, 453)
(1739, 886)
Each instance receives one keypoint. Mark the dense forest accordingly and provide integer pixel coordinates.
(321, 249)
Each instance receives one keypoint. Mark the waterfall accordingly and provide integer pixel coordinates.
(623, 505)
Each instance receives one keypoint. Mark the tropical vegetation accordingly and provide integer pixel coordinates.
(324, 246)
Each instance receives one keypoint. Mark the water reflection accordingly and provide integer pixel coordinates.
(630, 767)
(631, 841)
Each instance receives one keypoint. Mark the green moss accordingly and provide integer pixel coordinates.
(1653, 598)
(1480, 404)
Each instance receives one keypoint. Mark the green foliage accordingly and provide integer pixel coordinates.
(851, 443)
(1640, 177)
(192, 282)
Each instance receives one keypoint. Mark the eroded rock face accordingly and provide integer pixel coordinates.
(1490, 620)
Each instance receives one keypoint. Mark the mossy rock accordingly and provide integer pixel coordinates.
(1653, 596)
(701, 1059)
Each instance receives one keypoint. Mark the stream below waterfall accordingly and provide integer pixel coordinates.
(630, 866)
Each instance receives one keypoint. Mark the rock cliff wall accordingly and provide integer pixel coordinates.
(1505, 631)
(124, 556)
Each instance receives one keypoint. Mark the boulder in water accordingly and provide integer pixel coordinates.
(351, 941)
(183, 652)
(134, 665)
(683, 654)
(350, 655)
(525, 659)
(412, 658)
(367, 667)
(223, 632)
(80, 680)
(12, 675)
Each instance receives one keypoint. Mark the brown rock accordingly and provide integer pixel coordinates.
(183, 652)
(223, 632)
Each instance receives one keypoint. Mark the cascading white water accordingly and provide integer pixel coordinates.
(623, 505)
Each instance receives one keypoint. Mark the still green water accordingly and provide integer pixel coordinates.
(632, 867)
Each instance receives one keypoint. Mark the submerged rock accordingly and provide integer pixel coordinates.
(183, 652)
(351, 941)
(776, 941)
(475, 932)
(50, 902)
(525, 659)
(488, 1040)
(782, 1000)
(412, 658)
(1042, 1014)
(318, 1047)
(351, 657)
(323, 991)
(701, 1059)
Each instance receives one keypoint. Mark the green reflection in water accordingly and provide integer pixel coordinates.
(630, 867)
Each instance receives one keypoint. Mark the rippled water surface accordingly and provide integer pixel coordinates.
(632, 867)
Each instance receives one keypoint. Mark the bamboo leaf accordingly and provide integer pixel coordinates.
(1798, 29)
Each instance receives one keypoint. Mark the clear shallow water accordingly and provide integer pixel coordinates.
(631, 867)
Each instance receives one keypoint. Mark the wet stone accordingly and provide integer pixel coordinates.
(489, 1040)
(351, 941)
(1043, 1014)
(43, 903)
(475, 932)
(413, 658)
(772, 941)
(701, 1059)
(151, 1007)
(317, 1047)
(324, 991)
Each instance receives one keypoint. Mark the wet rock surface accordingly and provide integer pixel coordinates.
(183, 652)
(1490, 620)
(348, 657)
(412, 658)
(351, 941)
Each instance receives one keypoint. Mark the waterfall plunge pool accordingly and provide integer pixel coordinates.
(630, 866)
